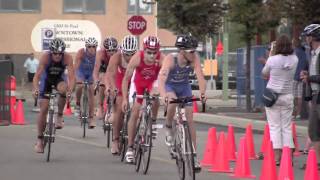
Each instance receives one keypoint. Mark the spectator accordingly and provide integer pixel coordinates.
(297, 83)
(31, 64)
(281, 67)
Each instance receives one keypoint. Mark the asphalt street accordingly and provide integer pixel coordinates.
(74, 157)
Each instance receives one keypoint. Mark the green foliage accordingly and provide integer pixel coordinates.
(199, 17)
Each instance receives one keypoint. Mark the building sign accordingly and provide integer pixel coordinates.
(73, 32)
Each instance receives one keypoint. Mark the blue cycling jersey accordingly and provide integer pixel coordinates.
(85, 70)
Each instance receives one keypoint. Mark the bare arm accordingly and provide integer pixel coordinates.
(40, 70)
(134, 62)
(97, 64)
(163, 74)
(70, 68)
(79, 56)
(199, 74)
(110, 74)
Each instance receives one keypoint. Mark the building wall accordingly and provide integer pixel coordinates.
(15, 33)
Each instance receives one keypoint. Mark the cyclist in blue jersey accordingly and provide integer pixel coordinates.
(174, 83)
(85, 61)
(51, 72)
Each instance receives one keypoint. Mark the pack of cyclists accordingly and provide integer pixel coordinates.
(111, 68)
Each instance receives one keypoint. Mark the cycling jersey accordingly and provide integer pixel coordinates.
(119, 77)
(85, 70)
(146, 75)
(104, 63)
(53, 74)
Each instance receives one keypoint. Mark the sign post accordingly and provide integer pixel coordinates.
(137, 25)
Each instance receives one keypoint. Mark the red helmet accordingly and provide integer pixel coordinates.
(151, 42)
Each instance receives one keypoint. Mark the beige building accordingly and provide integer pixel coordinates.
(24, 22)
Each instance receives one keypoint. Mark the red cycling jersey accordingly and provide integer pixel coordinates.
(146, 75)
(119, 77)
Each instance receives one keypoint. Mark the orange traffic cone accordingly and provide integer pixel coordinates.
(19, 120)
(67, 110)
(221, 163)
(242, 169)
(286, 170)
(311, 172)
(210, 149)
(231, 145)
(195, 107)
(268, 171)
(266, 139)
(295, 140)
(250, 143)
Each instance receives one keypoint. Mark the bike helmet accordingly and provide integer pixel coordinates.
(186, 42)
(313, 30)
(57, 45)
(151, 42)
(91, 41)
(110, 43)
(129, 44)
(308, 28)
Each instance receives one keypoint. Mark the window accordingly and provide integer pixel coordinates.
(84, 6)
(20, 5)
(144, 8)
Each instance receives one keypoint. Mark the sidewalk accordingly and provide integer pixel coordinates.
(218, 112)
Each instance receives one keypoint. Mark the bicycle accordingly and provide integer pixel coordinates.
(183, 150)
(84, 112)
(107, 126)
(50, 130)
(144, 135)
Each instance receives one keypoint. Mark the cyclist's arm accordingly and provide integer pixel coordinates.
(163, 74)
(79, 56)
(134, 62)
(41, 68)
(110, 75)
(97, 64)
(199, 74)
(70, 68)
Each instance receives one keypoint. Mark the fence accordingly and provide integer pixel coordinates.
(6, 70)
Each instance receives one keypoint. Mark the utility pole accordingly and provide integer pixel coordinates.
(225, 82)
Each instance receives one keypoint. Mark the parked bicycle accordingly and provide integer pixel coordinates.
(144, 134)
(183, 150)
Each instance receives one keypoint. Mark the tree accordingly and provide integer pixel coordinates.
(254, 16)
(201, 18)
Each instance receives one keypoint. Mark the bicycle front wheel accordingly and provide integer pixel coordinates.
(124, 137)
(178, 150)
(147, 143)
(84, 113)
(189, 154)
(48, 136)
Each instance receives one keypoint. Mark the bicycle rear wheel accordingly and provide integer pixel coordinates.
(137, 141)
(146, 143)
(48, 136)
(178, 148)
(189, 154)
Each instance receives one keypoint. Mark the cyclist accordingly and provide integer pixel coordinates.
(110, 45)
(114, 76)
(51, 72)
(174, 83)
(85, 60)
(147, 64)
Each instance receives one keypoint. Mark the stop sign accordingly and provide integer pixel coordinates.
(137, 25)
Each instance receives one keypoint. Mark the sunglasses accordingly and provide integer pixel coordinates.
(128, 53)
(57, 54)
(112, 50)
(91, 46)
(190, 51)
(152, 52)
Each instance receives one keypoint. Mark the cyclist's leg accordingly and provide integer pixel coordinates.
(117, 123)
(171, 109)
(41, 119)
(101, 96)
(62, 89)
(92, 122)
(156, 104)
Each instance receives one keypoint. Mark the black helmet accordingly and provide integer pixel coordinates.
(315, 33)
(308, 29)
(57, 45)
(186, 42)
(110, 43)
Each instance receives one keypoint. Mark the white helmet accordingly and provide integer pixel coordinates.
(91, 41)
(129, 44)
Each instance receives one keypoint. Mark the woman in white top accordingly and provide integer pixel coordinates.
(280, 69)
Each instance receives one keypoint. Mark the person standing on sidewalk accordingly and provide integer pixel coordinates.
(313, 77)
(280, 69)
(299, 50)
(31, 64)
